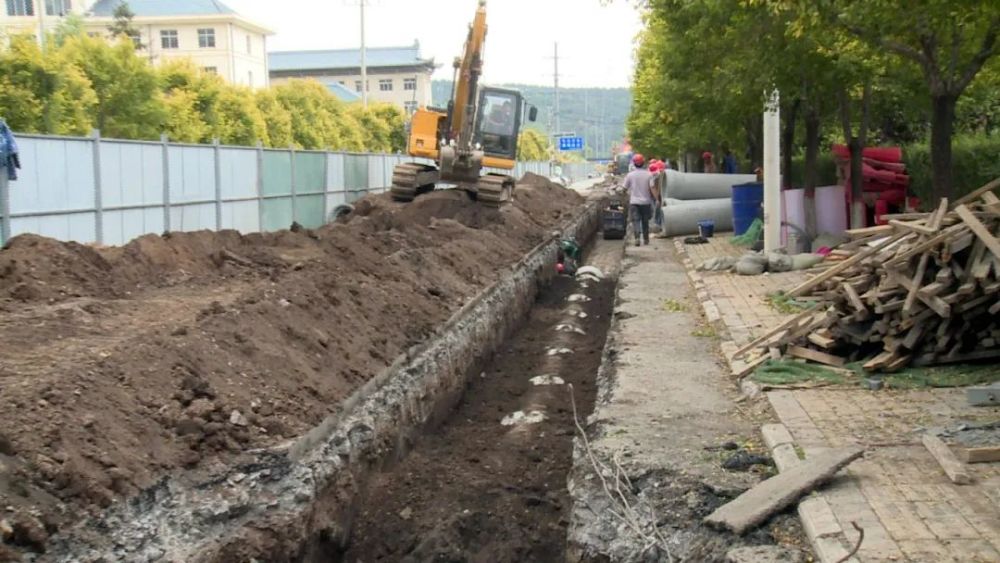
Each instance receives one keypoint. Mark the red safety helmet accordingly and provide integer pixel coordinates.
(706, 155)
(638, 159)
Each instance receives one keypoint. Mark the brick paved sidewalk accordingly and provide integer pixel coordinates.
(898, 494)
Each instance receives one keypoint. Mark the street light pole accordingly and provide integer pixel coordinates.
(40, 7)
(364, 59)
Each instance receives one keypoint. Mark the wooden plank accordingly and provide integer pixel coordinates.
(846, 264)
(816, 356)
(864, 232)
(853, 297)
(959, 358)
(914, 335)
(756, 505)
(955, 469)
(897, 363)
(978, 193)
(821, 340)
(979, 229)
(878, 361)
(913, 227)
(991, 202)
(979, 455)
(945, 235)
(792, 321)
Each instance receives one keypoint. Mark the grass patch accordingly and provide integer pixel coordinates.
(673, 306)
(782, 303)
(799, 451)
(787, 372)
(957, 375)
(703, 332)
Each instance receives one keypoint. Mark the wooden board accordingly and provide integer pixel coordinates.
(816, 356)
(978, 193)
(756, 505)
(954, 469)
(979, 229)
(979, 455)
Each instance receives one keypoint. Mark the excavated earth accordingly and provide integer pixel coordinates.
(174, 355)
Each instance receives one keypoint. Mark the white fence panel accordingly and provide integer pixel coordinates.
(56, 175)
(131, 174)
(192, 174)
(238, 172)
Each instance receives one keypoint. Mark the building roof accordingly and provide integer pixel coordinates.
(342, 92)
(347, 58)
(156, 8)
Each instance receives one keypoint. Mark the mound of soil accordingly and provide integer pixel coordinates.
(174, 354)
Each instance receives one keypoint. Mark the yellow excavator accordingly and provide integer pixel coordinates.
(478, 129)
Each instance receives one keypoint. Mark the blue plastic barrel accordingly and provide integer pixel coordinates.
(747, 200)
(706, 228)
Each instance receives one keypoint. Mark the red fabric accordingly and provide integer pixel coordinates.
(882, 154)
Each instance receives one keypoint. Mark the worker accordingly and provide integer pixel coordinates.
(639, 185)
(656, 168)
(728, 160)
(709, 163)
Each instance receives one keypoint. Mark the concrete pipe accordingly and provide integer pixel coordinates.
(692, 185)
(681, 217)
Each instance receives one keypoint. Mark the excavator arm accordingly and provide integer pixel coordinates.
(468, 69)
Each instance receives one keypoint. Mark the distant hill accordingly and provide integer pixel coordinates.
(596, 114)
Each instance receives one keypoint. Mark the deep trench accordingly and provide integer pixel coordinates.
(473, 489)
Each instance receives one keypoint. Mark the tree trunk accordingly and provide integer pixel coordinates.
(810, 175)
(787, 142)
(755, 145)
(857, 183)
(942, 126)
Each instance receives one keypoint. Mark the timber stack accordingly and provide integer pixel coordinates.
(921, 290)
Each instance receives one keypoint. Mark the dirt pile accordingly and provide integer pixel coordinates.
(172, 355)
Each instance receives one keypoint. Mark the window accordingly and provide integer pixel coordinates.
(249, 45)
(206, 38)
(409, 84)
(385, 85)
(357, 86)
(410, 107)
(56, 7)
(210, 70)
(20, 7)
(168, 38)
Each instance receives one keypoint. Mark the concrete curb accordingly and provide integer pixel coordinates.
(825, 534)
(727, 345)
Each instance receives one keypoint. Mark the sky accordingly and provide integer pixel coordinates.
(595, 41)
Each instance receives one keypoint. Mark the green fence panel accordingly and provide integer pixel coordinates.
(276, 214)
(310, 172)
(277, 173)
(309, 211)
(355, 176)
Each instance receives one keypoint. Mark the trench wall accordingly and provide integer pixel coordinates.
(297, 501)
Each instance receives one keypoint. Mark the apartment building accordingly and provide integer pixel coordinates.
(214, 36)
(397, 75)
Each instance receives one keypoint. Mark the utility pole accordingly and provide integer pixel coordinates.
(364, 59)
(556, 77)
(40, 8)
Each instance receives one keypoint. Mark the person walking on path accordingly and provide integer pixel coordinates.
(728, 161)
(638, 184)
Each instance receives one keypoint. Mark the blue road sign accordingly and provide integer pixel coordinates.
(570, 143)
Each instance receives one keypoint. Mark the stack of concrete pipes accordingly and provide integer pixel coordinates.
(692, 197)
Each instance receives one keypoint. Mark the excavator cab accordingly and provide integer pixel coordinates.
(498, 123)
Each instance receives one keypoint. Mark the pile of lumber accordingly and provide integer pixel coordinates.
(922, 290)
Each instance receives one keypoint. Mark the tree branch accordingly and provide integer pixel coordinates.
(894, 46)
(986, 50)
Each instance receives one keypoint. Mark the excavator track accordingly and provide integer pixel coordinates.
(495, 190)
(411, 179)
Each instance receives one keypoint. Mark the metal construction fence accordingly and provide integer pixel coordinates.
(109, 191)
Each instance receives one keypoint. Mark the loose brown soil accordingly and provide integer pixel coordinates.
(475, 490)
(174, 354)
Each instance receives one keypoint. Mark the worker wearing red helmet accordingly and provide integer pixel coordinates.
(639, 185)
(709, 160)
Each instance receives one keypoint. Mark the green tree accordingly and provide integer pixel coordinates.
(122, 24)
(950, 41)
(43, 94)
(69, 26)
(319, 120)
(277, 119)
(533, 145)
(129, 104)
